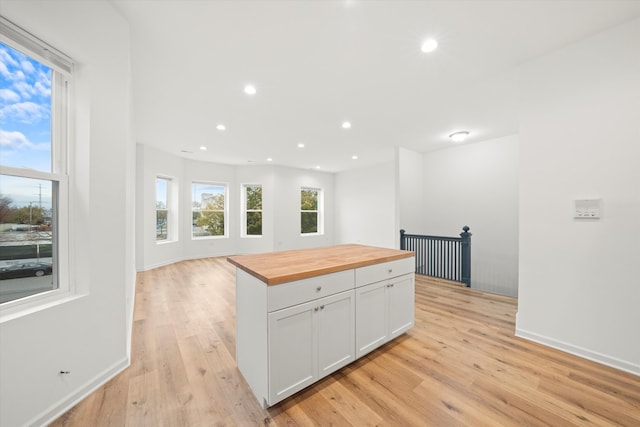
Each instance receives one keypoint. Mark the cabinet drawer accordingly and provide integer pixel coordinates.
(299, 291)
(385, 270)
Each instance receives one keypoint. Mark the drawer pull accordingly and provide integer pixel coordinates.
(315, 309)
(322, 307)
(390, 270)
(319, 288)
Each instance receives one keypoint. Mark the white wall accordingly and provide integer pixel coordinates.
(286, 210)
(410, 190)
(580, 137)
(87, 335)
(477, 185)
(281, 208)
(365, 206)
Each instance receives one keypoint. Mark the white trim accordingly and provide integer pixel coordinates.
(25, 42)
(614, 362)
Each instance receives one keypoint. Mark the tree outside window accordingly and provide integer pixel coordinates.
(208, 210)
(309, 210)
(253, 210)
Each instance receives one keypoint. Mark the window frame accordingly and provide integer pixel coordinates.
(167, 209)
(225, 211)
(60, 174)
(245, 211)
(319, 211)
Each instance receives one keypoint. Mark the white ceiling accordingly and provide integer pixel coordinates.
(318, 63)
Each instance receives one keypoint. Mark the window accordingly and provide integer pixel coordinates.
(209, 210)
(33, 169)
(311, 211)
(162, 209)
(252, 210)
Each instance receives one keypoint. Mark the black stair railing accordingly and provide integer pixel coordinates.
(438, 256)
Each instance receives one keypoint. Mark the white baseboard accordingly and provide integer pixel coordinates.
(55, 411)
(623, 365)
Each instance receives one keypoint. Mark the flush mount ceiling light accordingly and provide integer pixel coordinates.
(429, 45)
(346, 125)
(250, 90)
(221, 127)
(459, 136)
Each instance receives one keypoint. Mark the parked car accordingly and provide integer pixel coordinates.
(25, 270)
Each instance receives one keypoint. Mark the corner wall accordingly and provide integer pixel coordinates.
(580, 138)
(86, 335)
(477, 185)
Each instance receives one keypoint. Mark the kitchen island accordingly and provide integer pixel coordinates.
(303, 314)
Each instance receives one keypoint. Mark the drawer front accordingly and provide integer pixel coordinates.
(292, 293)
(383, 271)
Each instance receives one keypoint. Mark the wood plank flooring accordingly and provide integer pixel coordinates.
(459, 366)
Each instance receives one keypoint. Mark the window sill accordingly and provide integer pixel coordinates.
(43, 303)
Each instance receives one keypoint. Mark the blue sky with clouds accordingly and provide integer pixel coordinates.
(25, 124)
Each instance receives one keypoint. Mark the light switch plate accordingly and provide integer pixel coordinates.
(587, 208)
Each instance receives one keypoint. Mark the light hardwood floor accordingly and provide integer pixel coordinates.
(459, 365)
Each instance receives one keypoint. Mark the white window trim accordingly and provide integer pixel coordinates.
(226, 210)
(243, 213)
(61, 149)
(319, 211)
(172, 209)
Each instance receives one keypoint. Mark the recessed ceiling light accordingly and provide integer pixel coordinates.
(269, 159)
(221, 127)
(354, 157)
(346, 125)
(250, 89)
(203, 148)
(318, 167)
(429, 45)
(301, 145)
(459, 136)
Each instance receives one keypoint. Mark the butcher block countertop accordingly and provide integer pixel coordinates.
(279, 267)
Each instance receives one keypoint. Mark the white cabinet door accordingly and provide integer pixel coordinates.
(293, 352)
(384, 310)
(336, 332)
(401, 305)
(309, 341)
(371, 317)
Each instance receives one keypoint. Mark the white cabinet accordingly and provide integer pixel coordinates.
(384, 309)
(292, 334)
(309, 341)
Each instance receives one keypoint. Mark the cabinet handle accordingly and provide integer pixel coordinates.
(319, 288)
(315, 309)
(322, 307)
(390, 270)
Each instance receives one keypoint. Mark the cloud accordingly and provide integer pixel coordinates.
(25, 112)
(27, 67)
(7, 58)
(8, 95)
(14, 139)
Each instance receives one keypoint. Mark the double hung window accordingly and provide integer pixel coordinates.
(311, 211)
(209, 210)
(163, 186)
(34, 225)
(252, 210)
